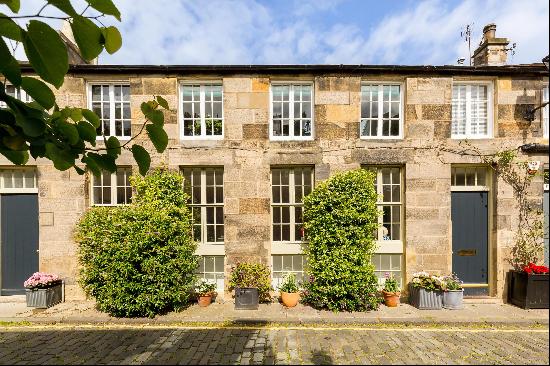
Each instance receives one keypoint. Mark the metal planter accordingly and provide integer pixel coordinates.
(44, 298)
(425, 300)
(453, 299)
(246, 298)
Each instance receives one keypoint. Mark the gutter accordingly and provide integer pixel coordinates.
(534, 148)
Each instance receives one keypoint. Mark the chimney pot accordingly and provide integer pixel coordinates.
(489, 31)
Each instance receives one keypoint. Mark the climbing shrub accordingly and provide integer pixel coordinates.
(138, 259)
(340, 220)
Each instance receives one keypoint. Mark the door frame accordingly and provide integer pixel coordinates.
(491, 266)
(7, 191)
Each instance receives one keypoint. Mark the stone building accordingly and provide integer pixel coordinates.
(252, 140)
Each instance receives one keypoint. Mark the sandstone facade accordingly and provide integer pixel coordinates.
(424, 154)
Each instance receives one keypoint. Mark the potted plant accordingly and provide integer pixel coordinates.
(391, 291)
(529, 288)
(43, 290)
(425, 291)
(205, 291)
(252, 284)
(289, 290)
(453, 293)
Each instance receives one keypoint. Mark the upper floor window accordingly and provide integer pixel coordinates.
(204, 186)
(381, 115)
(545, 111)
(16, 93)
(471, 111)
(291, 112)
(202, 111)
(112, 188)
(111, 102)
(288, 188)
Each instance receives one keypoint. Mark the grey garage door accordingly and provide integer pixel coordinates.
(19, 240)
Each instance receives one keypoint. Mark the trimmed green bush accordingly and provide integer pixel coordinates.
(138, 260)
(254, 275)
(340, 220)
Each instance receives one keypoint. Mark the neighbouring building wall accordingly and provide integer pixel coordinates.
(247, 156)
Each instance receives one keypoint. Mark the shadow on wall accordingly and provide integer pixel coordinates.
(160, 346)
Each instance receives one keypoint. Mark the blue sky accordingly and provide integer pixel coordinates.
(319, 31)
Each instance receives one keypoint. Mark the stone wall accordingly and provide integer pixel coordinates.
(247, 155)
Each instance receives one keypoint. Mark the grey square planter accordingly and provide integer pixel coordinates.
(425, 300)
(246, 298)
(44, 298)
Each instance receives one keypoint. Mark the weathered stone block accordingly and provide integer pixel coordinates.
(159, 86)
(255, 131)
(46, 218)
(436, 112)
(254, 206)
(260, 84)
(332, 97)
(258, 100)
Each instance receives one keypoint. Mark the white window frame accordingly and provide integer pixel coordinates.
(203, 205)
(202, 84)
(382, 279)
(291, 136)
(23, 96)
(469, 187)
(292, 204)
(219, 284)
(276, 282)
(24, 189)
(380, 85)
(545, 111)
(490, 110)
(114, 188)
(112, 124)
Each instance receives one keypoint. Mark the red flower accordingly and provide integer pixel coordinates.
(533, 268)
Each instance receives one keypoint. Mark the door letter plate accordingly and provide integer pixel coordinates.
(467, 252)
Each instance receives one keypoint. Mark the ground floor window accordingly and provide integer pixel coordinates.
(387, 264)
(211, 269)
(283, 264)
(18, 179)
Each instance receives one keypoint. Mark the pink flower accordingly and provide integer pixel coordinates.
(41, 279)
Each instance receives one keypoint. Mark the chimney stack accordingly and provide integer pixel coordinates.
(492, 51)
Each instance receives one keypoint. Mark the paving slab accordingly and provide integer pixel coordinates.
(84, 312)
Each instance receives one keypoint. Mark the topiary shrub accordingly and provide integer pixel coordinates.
(340, 220)
(138, 260)
(255, 275)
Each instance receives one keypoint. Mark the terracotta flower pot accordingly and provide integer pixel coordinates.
(290, 299)
(205, 300)
(391, 299)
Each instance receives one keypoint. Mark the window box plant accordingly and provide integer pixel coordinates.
(252, 284)
(453, 293)
(205, 292)
(289, 290)
(391, 291)
(43, 290)
(528, 289)
(425, 291)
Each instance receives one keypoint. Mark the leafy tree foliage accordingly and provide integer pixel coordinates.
(66, 136)
(340, 219)
(138, 259)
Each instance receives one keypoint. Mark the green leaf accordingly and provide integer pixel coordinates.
(37, 150)
(69, 130)
(91, 117)
(105, 7)
(113, 146)
(157, 117)
(92, 165)
(62, 159)
(39, 91)
(162, 102)
(105, 162)
(146, 108)
(87, 132)
(9, 28)
(46, 52)
(76, 114)
(79, 170)
(16, 157)
(14, 5)
(113, 39)
(88, 37)
(142, 158)
(158, 137)
(31, 126)
(9, 66)
(15, 142)
(65, 6)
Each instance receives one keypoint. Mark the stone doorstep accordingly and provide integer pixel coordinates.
(13, 298)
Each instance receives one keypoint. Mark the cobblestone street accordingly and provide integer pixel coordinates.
(151, 345)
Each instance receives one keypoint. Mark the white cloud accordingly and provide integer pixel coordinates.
(251, 32)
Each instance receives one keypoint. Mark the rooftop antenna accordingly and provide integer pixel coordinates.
(466, 33)
(512, 50)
